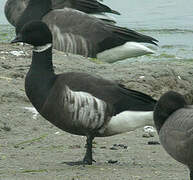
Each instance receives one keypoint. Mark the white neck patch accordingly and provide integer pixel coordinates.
(42, 48)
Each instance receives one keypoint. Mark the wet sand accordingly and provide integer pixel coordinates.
(32, 148)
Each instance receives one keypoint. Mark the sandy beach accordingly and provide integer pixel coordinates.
(31, 148)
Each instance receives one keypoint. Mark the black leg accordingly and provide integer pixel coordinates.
(88, 156)
(191, 175)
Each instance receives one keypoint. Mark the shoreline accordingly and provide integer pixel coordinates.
(151, 77)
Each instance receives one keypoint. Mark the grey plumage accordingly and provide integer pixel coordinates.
(176, 135)
(14, 8)
(174, 122)
(79, 33)
(82, 34)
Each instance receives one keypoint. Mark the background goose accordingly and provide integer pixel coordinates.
(80, 103)
(14, 8)
(174, 123)
(78, 33)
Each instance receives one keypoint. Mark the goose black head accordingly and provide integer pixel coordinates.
(167, 104)
(35, 33)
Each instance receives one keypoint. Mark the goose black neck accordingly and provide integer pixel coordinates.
(191, 174)
(35, 10)
(40, 78)
(42, 60)
(159, 117)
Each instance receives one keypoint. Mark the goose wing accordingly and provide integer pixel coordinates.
(176, 135)
(176, 144)
(117, 95)
(93, 34)
(83, 103)
(87, 6)
(14, 8)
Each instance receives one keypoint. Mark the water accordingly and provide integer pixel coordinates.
(7, 33)
(169, 21)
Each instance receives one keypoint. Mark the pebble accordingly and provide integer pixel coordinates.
(112, 161)
(33, 111)
(149, 131)
(103, 147)
(153, 143)
(74, 147)
(6, 66)
(113, 148)
(120, 145)
(147, 135)
(17, 53)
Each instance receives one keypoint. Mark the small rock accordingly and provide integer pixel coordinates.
(147, 135)
(6, 66)
(17, 75)
(33, 111)
(113, 148)
(141, 77)
(17, 53)
(5, 127)
(149, 131)
(112, 161)
(120, 145)
(74, 147)
(94, 142)
(103, 147)
(153, 143)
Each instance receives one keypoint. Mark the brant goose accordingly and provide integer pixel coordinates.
(14, 8)
(174, 123)
(78, 33)
(80, 103)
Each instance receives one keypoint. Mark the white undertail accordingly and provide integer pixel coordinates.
(127, 50)
(129, 121)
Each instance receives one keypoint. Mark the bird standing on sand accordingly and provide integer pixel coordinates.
(80, 103)
(174, 123)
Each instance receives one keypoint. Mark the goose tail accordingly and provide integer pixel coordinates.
(125, 34)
